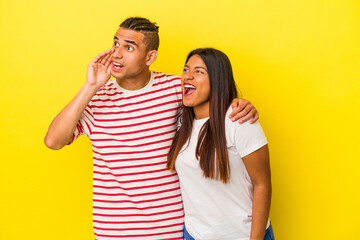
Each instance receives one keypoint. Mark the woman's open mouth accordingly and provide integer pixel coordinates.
(188, 89)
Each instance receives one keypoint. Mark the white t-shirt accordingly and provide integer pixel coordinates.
(214, 210)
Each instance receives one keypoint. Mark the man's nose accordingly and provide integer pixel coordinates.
(118, 53)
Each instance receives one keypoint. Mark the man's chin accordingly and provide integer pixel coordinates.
(116, 75)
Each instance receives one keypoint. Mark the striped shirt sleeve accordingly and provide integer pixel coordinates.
(85, 124)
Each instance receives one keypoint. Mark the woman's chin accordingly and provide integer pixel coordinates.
(187, 104)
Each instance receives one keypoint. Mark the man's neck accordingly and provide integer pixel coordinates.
(135, 83)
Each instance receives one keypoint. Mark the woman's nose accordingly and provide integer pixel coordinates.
(188, 75)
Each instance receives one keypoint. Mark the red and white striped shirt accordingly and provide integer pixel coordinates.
(134, 195)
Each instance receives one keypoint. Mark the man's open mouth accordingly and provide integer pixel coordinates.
(117, 65)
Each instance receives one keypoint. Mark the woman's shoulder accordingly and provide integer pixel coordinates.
(236, 124)
(245, 136)
(245, 129)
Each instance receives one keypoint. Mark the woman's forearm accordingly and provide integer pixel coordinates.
(260, 210)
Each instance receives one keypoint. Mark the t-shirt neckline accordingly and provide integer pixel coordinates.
(148, 85)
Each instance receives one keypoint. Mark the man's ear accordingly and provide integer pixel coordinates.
(151, 57)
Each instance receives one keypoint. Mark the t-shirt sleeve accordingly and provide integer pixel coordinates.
(178, 89)
(176, 81)
(247, 137)
(85, 125)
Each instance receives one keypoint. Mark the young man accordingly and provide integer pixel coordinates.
(131, 122)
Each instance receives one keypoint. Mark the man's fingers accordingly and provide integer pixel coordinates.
(103, 56)
(244, 112)
(234, 103)
(107, 60)
(256, 117)
(99, 57)
(238, 105)
(237, 116)
(106, 57)
(242, 103)
(248, 116)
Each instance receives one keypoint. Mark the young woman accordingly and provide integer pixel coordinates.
(223, 166)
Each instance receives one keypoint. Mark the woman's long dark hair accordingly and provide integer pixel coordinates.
(211, 146)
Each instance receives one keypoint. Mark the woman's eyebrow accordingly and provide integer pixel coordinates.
(196, 67)
(200, 67)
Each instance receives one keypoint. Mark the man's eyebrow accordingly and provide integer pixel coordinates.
(131, 42)
(128, 41)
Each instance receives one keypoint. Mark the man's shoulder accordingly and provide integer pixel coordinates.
(160, 77)
(109, 90)
(109, 86)
(162, 74)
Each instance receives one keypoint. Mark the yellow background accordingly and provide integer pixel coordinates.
(298, 62)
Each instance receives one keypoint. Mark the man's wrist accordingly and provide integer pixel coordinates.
(91, 88)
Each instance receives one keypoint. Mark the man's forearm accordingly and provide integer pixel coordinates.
(63, 125)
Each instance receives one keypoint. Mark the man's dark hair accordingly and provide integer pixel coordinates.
(145, 26)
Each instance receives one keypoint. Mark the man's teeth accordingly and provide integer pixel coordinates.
(117, 65)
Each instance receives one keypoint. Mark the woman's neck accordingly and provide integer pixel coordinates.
(202, 111)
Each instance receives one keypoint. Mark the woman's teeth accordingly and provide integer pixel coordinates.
(186, 85)
(189, 89)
